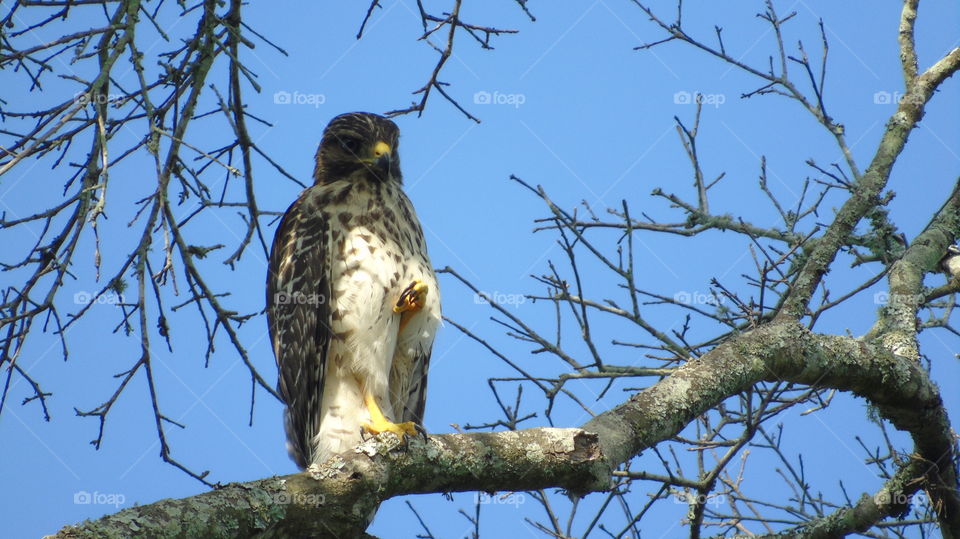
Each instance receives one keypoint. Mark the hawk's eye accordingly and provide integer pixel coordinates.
(350, 144)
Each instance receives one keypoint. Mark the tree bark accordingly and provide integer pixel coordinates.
(338, 498)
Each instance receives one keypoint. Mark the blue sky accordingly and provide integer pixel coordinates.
(572, 108)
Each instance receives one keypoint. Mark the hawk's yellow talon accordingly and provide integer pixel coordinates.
(412, 298)
(400, 429)
(378, 423)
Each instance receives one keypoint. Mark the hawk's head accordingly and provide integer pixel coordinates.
(358, 141)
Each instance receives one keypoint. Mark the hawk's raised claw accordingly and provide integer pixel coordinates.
(412, 299)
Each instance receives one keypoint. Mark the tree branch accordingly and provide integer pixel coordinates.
(337, 498)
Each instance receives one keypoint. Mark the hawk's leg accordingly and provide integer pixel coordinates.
(412, 299)
(378, 423)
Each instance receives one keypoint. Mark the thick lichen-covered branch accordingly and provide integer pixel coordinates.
(342, 493)
(337, 499)
(896, 325)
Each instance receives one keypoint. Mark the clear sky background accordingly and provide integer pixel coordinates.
(573, 108)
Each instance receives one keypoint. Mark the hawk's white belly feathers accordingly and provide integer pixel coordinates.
(368, 276)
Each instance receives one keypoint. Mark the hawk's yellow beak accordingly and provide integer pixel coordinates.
(380, 149)
(382, 153)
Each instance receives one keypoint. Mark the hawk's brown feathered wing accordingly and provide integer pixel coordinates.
(343, 255)
(300, 330)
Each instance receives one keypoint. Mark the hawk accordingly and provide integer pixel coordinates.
(352, 300)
